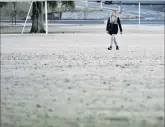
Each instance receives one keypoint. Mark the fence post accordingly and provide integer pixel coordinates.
(139, 13)
(46, 17)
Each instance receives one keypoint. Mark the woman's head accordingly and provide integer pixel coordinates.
(114, 12)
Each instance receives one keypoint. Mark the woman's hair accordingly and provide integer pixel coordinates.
(114, 11)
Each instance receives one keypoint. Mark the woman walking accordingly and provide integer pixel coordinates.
(112, 28)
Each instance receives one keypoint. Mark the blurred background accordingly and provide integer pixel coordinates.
(85, 12)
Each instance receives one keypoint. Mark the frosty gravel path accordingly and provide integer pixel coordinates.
(72, 80)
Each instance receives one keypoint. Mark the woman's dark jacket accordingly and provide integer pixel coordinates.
(112, 27)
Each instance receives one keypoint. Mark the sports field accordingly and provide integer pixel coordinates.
(72, 80)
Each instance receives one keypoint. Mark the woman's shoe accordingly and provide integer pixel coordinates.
(110, 48)
(117, 47)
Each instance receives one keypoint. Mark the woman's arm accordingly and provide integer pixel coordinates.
(118, 21)
(107, 28)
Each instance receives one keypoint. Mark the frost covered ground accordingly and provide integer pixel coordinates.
(72, 80)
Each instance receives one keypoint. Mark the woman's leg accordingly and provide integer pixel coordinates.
(112, 39)
(115, 40)
(110, 48)
(117, 47)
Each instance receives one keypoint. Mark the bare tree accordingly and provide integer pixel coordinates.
(2, 4)
(37, 18)
(14, 13)
(37, 15)
(53, 5)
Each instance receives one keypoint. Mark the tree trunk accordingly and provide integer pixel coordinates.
(15, 13)
(120, 7)
(52, 17)
(12, 20)
(85, 14)
(37, 18)
(60, 15)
